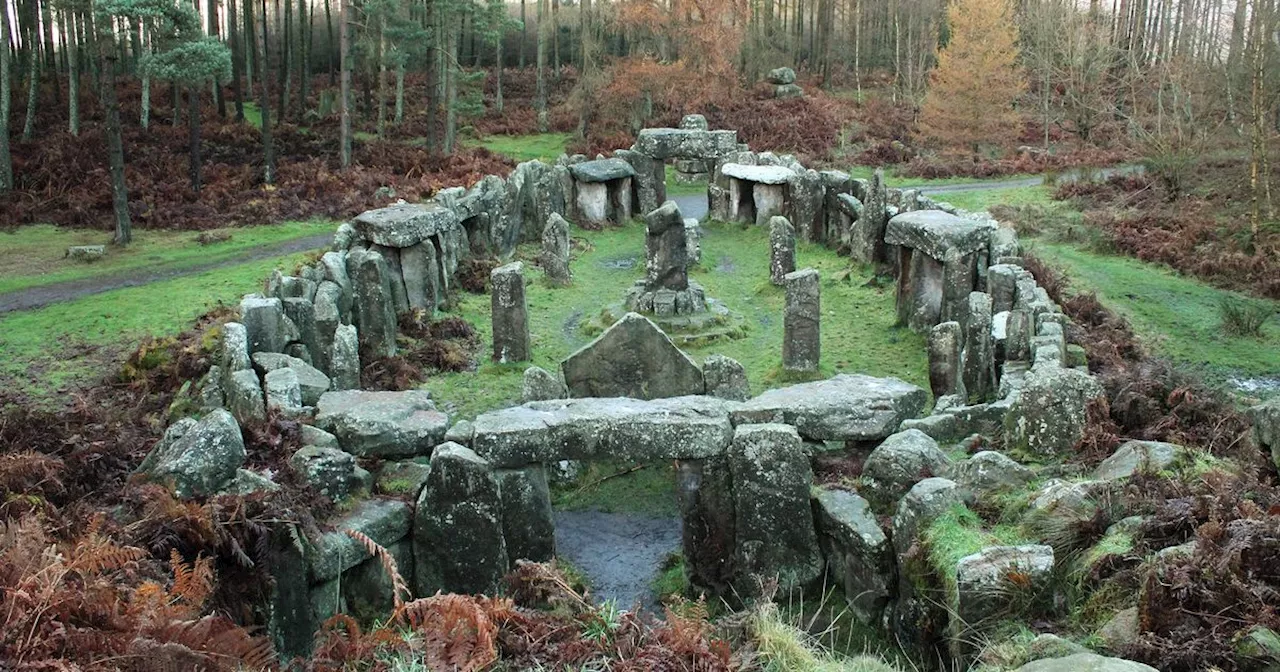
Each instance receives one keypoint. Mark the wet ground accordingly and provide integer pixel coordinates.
(621, 553)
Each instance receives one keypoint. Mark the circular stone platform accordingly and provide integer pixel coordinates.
(688, 317)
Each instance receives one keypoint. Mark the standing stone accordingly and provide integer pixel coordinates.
(510, 314)
(858, 552)
(421, 268)
(302, 313)
(773, 517)
(979, 366)
(373, 303)
(804, 204)
(267, 328)
(344, 361)
(1049, 415)
(1017, 343)
(693, 240)
(867, 241)
(801, 345)
(782, 249)
(705, 492)
(395, 277)
(633, 358)
(458, 540)
(555, 250)
(1002, 285)
(235, 348)
(945, 340)
(527, 521)
(244, 396)
(666, 254)
(284, 393)
(328, 316)
(725, 378)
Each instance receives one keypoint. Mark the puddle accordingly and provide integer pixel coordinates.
(1264, 384)
(620, 263)
(726, 264)
(621, 553)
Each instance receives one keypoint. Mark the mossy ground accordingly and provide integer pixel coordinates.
(33, 256)
(858, 335)
(544, 146)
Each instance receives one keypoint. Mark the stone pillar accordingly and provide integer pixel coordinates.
(421, 267)
(773, 518)
(1002, 285)
(978, 364)
(373, 303)
(1017, 344)
(801, 345)
(458, 540)
(344, 359)
(945, 342)
(693, 240)
(665, 247)
(705, 491)
(527, 524)
(510, 314)
(869, 241)
(770, 200)
(957, 283)
(555, 250)
(782, 249)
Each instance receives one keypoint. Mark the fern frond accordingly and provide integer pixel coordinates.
(399, 586)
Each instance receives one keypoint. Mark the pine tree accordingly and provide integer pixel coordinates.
(973, 89)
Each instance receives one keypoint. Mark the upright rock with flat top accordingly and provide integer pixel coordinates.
(858, 553)
(846, 407)
(866, 242)
(782, 249)
(1048, 416)
(986, 589)
(203, 459)
(266, 326)
(946, 375)
(284, 394)
(555, 250)
(311, 381)
(979, 363)
(527, 520)
(540, 385)
(901, 461)
(773, 517)
(511, 341)
(235, 348)
(373, 304)
(801, 342)
(244, 396)
(382, 424)
(404, 224)
(633, 358)
(666, 258)
(458, 541)
(344, 360)
(1266, 426)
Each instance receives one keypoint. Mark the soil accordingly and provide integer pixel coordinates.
(621, 553)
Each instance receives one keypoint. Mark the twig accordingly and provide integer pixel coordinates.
(602, 479)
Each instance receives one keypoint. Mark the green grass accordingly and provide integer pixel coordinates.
(603, 486)
(857, 330)
(983, 199)
(32, 256)
(72, 344)
(544, 146)
(893, 180)
(671, 580)
(676, 188)
(1176, 316)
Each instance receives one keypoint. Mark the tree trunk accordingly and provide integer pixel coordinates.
(344, 106)
(400, 92)
(306, 17)
(431, 20)
(524, 31)
(250, 47)
(33, 83)
(286, 60)
(268, 142)
(193, 135)
(497, 57)
(328, 25)
(144, 107)
(540, 98)
(6, 161)
(237, 59)
(73, 73)
(382, 76)
(115, 143)
(219, 100)
(453, 28)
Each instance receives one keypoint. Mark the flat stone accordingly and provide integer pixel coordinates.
(847, 407)
(382, 424)
(606, 428)
(987, 473)
(1085, 662)
(633, 358)
(942, 236)
(404, 224)
(760, 174)
(983, 586)
(311, 381)
(283, 392)
(267, 327)
(386, 521)
(198, 458)
(332, 472)
(602, 170)
(1133, 457)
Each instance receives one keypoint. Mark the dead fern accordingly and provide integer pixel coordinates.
(398, 585)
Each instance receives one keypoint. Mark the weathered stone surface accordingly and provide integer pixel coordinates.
(302, 313)
(235, 348)
(367, 589)
(633, 358)
(555, 249)
(987, 473)
(1017, 344)
(601, 170)
(801, 322)
(725, 378)
(979, 363)
(244, 396)
(666, 249)
(420, 266)
(461, 432)
(846, 407)
(528, 526)
(202, 458)
(314, 436)
(804, 204)
(382, 424)
(899, 462)
(540, 385)
(666, 143)
(458, 542)
(386, 521)
(248, 482)
(857, 551)
(267, 327)
(330, 471)
(1133, 457)
(85, 253)
(344, 361)
(1048, 415)
(311, 381)
(940, 235)
(1085, 662)
(773, 517)
(1266, 426)
(650, 178)
(604, 428)
(404, 224)
(283, 392)
(1002, 284)
(782, 249)
(759, 174)
(1121, 631)
(511, 341)
(692, 241)
(781, 76)
(946, 341)
(922, 504)
(866, 240)
(770, 200)
(785, 91)
(983, 587)
(373, 304)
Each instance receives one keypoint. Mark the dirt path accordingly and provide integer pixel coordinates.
(621, 553)
(36, 297)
